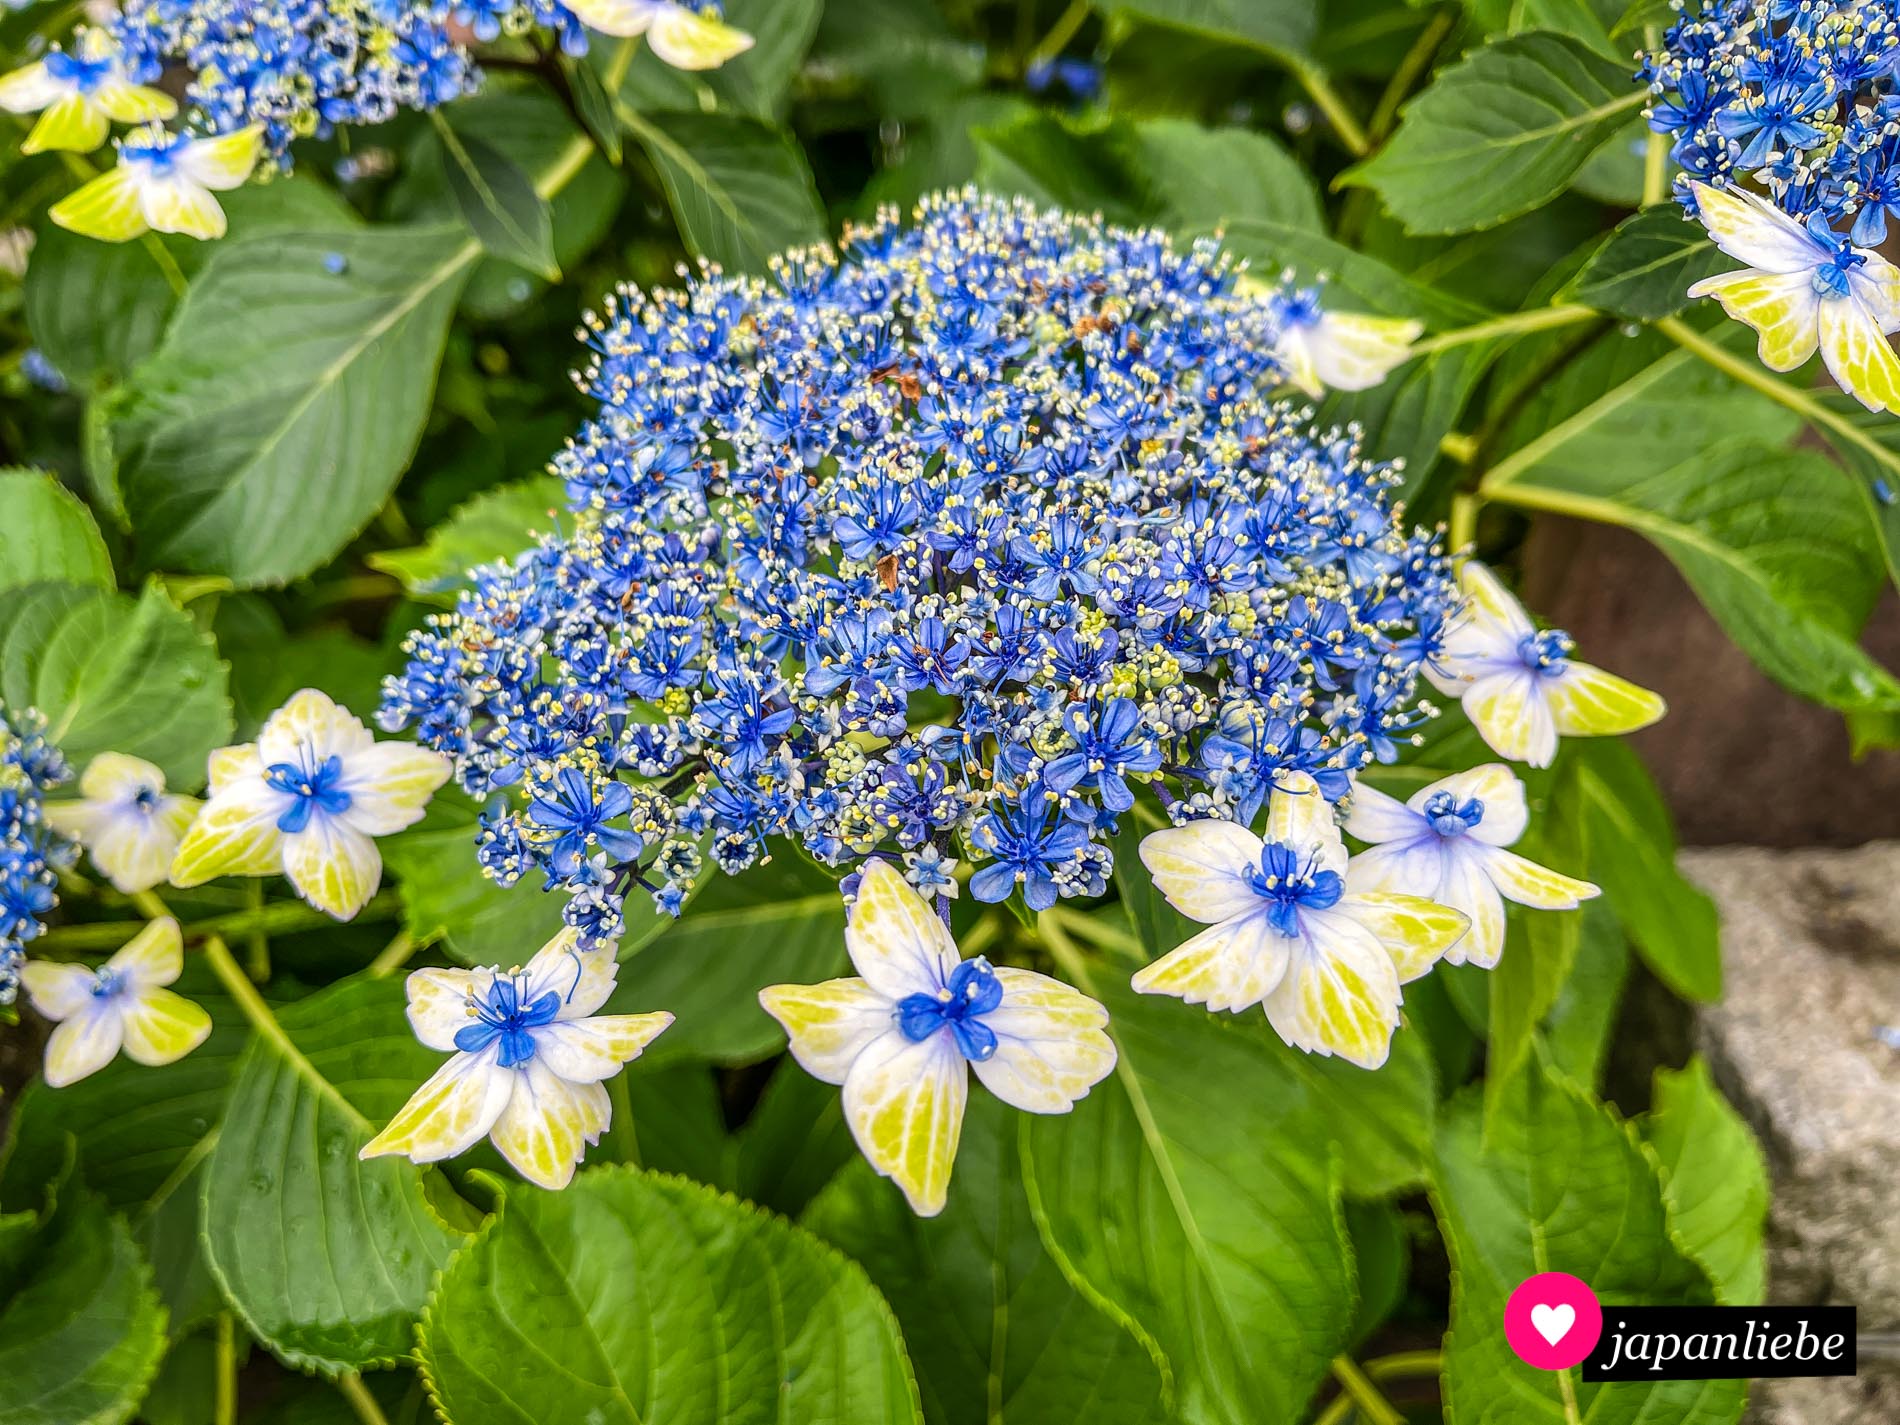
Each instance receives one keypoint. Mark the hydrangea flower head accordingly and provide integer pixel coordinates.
(32, 851)
(934, 550)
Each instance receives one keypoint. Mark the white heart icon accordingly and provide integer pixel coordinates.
(1553, 1323)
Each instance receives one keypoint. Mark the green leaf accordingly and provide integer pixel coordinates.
(1777, 543)
(740, 191)
(496, 524)
(82, 1334)
(498, 201)
(1281, 27)
(1204, 178)
(755, 83)
(1715, 1180)
(996, 1332)
(593, 105)
(446, 897)
(1559, 1184)
(1633, 857)
(116, 674)
(631, 1297)
(257, 449)
(1540, 948)
(47, 534)
(1080, 165)
(1499, 133)
(1645, 268)
(328, 1259)
(1578, 1028)
(738, 936)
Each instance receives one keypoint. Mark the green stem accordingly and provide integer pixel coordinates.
(395, 955)
(1060, 33)
(1320, 90)
(257, 942)
(1404, 1364)
(1656, 149)
(278, 918)
(1464, 521)
(224, 1400)
(1417, 59)
(81, 168)
(1537, 319)
(147, 904)
(1801, 402)
(1363, 1393)
(1568, 1388)
(361, 1401)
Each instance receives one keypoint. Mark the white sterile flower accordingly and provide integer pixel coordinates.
(678, 35)
(306, 799)
(1286, 934)
(531, 1058)
(78, 93)
(164, 183)
(1325, 350)
(122, 1005)
(126, 820)
(1520, 687)
(903, 1036)
(1447, 843)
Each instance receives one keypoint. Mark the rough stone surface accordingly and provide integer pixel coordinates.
(1811, 951)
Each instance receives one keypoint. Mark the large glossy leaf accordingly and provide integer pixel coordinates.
(631, 1297)
(257, 449)
(1499, 133)
(740, 191)
(1645, 268)
(1206, 178)
(1279, 26)
(1715, 1180)
(996, 1332)
(1243, 1276)
(1557, 1185)
(115, 673)
(496, 524)
(47, 534)
(1777, 543)
(328, 1259)
(498, 201)
(81, 1331)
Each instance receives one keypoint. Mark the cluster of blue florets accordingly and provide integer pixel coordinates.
(934, 552)
(1800, 97)
(304, 68)
(31, 853)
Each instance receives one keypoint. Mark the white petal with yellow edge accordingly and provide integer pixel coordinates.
(828, 1025)
(107, 208)
(1050, 1048)
(161, 1027)
(1782, 307)
(439, 1004)
(548, 1123)
(334, 867)
(83, 1045)
(1299, 815)
(225, 161)
(1202, 868)
(896, 941)
(134, 848)
(1231, 966)
(1494, 785)
(73, 124)
(133, 103)
(691, 41)
(619, 18)
(309, 729)
(452, 1112)
(582, 978)
(1465, 884)
(153, 957)
(1352, 351)
(236, 834)
(1340, 994)
(1375, 816)
(1750, 229)
(904, 1102)
(29, 89)
(585, 1051)
(1415, 932)
(55, 990)
(389, 785)
(1585, 701)
(1512, 714)
(1536, 886)
(1858, 355)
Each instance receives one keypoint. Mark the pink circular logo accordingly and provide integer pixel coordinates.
(1553, 1321)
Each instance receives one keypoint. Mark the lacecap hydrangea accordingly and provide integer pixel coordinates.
(932, 550)
(31, 852)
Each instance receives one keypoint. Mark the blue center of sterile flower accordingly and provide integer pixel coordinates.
(1451, 817)
(973, 992)
(500, 1014)
(156, 149)
(84, 75)
(1289, 883)
(1546, 651)
(146, 799)
(313, 790)
(106, 982)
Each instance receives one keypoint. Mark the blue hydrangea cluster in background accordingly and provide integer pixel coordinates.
(304, 68)
(933, 552)
(1801, 98)
(31, 853)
